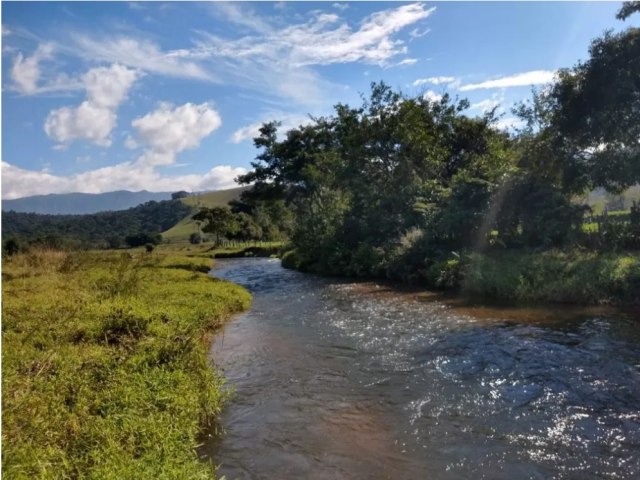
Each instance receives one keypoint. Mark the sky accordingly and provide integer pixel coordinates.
(103, 96)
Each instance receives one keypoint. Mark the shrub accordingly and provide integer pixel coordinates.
(195, 238)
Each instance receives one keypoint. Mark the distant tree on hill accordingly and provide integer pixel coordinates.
(179, 195)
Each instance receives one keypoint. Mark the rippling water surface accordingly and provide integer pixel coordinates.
(344, 380)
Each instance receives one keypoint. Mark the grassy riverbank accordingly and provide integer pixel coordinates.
(104, 363)
(553, 276)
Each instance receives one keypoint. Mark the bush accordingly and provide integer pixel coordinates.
(12, 246)
(195, 238)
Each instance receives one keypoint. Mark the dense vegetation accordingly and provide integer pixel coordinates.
(104, 369)
(98, 230)
(416, 190)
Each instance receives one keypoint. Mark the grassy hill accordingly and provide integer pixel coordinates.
(180, 232)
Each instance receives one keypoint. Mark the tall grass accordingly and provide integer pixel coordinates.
(104, 364)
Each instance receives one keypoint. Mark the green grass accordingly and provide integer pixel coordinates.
(185, 227)
(105, 373)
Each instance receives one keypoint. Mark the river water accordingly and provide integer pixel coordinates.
(341, 380)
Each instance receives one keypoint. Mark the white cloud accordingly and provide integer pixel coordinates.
(279, 60)
(496, 101)
(415, 33)
(406, 62)
(340, 6)
(243, 17)
(17, 182)
(138, 54)
(130, 143)
(435, 81)
(164, 132)
(509, 123)
(88, 121)
(432, 96)
(534, 77)
(28, 77)
(273, 60)
(322, 42)
(95, 118)
(168, 131)
(288, 122)
(25, 72)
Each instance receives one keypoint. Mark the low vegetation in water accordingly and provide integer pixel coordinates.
(105, 372)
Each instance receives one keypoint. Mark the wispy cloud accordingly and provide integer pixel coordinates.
(287, 121)
(28, 77)
(242, 16)
(442, 80)
(139, 54)
(534, 77)
(283, 59)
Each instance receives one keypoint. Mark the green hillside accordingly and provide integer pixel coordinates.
(180, 232)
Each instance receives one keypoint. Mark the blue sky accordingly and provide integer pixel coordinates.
(167, 96)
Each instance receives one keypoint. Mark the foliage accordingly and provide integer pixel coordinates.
(553, 276)
(104, 364)
(357, 181)
(400, 186)
(218, 221)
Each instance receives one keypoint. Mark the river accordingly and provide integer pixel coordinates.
(336, 379)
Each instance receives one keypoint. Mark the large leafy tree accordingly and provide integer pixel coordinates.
(590, 117)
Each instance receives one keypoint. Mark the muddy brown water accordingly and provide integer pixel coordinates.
(342, 380)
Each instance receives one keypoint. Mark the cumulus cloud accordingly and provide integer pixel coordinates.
(534, 77)
(169, 130)
(164, 133)
(25, 72)
(432, 96)
(94, 118)
(17, 182)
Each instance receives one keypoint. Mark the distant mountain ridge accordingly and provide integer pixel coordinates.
(82, 203)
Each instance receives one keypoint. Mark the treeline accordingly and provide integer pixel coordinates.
(133, 227)
(408, 188)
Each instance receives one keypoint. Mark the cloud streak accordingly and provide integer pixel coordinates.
(534, 77)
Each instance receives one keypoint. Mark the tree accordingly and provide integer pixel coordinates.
(179, 195)
(627, 9)
(591, 115)
(218, 221)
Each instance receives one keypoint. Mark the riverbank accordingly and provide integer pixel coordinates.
(105, 372)
(554, 276)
